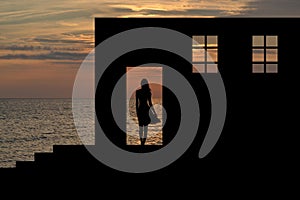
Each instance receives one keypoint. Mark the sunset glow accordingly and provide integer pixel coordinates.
(42, 43)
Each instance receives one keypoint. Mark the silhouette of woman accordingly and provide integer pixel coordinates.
(143, 104)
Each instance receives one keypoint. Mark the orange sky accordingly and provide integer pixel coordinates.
(32, 78)
(42, 43)
(134, 75)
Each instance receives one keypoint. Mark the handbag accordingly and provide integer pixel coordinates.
(153, 117)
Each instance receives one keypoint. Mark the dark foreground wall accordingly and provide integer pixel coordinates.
(259, 140)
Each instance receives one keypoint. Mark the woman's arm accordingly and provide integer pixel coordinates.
(149, 100)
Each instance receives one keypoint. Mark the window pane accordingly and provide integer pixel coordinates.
(272, 68)
(212, 41)
(198, 55)
(198, 68)
(258, 41)
(272, 55)
(198, 41)
(212, 55)
(272, 41)
(258, 55)
(258, 68)
(212, 68)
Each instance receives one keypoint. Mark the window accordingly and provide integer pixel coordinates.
(264, 54)
(205, 54)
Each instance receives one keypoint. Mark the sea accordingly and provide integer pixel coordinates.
(35, 125)
(28, 126)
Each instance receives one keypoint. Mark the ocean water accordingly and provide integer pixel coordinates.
(154, 136)
(35, 125)
(28, 126)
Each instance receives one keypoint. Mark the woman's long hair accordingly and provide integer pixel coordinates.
(145, 85)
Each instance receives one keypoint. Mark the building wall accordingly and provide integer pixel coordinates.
(258, 105)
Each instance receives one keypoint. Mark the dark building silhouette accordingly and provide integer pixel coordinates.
(255, 100)
(260, 131)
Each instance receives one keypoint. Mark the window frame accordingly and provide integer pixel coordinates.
(206, 47)
(265, 49)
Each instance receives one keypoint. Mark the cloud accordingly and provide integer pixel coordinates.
(122, 10)
(63, 23)
(31, 16)
(273, 8)
(73, 39)
(77, 33)
(66, 46)
(64, 41)
(187, 12)
(53, 55)
(181, 8)
(38, 48)
(158, 12)
(19, 48)
(215, 8)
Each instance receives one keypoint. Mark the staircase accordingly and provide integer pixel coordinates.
(61, 154)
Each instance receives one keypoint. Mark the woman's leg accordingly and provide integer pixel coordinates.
(145, 131)
(145, 134)
(141, 134)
